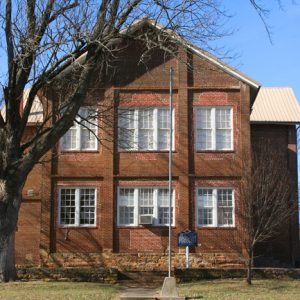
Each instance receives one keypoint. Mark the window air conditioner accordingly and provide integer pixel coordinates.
(145, 219)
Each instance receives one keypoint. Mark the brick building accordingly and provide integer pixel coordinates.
(84, 204)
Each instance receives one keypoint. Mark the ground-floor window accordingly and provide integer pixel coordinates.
(215, 207)
(77, 206)
(144, 205)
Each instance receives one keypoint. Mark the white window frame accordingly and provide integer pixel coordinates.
(155, 205)
(215, 207)
(79, 129)
(155, 128)
(213, 128)
(77, 206)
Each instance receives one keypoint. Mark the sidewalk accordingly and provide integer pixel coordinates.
(144, 294)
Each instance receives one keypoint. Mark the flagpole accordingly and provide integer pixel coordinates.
(169, 287)
(170, 169)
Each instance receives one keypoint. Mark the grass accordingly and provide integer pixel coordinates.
(38, 290)
(206, 289)
(239, 290)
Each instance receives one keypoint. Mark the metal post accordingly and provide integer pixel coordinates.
(187, 253)
(170, 166)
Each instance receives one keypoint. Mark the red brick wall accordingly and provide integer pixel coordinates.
(284, 247)
(107, 168)
(28, 233)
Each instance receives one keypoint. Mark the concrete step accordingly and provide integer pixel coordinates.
(145, 279)
(141, 297)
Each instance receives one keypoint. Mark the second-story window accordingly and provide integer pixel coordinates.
(82, 135)
(144, 129)
(214, 128)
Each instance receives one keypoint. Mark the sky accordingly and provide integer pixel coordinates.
(271, 64)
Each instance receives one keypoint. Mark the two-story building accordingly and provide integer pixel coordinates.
(85, 203)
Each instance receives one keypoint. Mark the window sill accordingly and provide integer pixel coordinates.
(216, 227)
(215, 151)
(77, 227)
(145, 151)
(144, 226)
(78, 151)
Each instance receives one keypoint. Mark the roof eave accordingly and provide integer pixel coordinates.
(202, 53)
(275, 122)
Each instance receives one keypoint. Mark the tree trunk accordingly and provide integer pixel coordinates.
(10, 200)
(249, 267)
(7, 258)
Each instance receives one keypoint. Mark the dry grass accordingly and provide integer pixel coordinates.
(239, 290)
(38, 290)
(206, 289)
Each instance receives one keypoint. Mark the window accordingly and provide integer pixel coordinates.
(144, 129)
(134, 202)
(214, 128)
(82, 135)
(77, 206)
(215, 207)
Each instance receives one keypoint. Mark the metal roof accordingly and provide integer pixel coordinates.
(275, 105)
(36, 112)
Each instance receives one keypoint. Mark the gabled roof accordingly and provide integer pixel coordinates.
(36, 112)
(198, 51)
(275, 105)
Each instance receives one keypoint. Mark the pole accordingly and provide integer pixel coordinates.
(170, 166)
(187, 253)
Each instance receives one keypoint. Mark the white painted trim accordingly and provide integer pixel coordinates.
(155, 205)
(79, 133)
(215, 207)
(213, 126)
(77, 207)
(155, 128)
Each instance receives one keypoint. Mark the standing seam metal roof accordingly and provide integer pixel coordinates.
(275, 105)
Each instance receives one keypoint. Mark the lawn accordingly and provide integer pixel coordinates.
(38, 290)
(206, 289)
(239, 290)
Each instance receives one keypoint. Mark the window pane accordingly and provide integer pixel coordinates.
(205, 216)
(205, 206)
(67, 206)
(163, 129)
(204, 139)
(163, 206)
(126, 122)
(223, 118)
(69, 140)
(88, 128)
(146, 129)
(146, 201)
(223, 128)
(204, 129)
(87, 206)
(225, 207)
(126, 206)
(205, 197)
(223, 139)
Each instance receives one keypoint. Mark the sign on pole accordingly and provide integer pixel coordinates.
(187, 239)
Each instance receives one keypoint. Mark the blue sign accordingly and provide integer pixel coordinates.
(187, 238)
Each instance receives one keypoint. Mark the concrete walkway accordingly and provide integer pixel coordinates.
(144, 294)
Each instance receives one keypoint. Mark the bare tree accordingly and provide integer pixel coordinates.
(44, 41)
(47, 41)
(267, 198)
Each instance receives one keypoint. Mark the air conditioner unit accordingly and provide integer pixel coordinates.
(145, 219)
